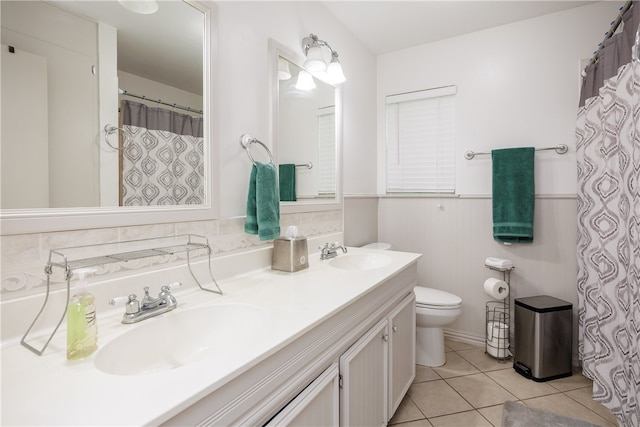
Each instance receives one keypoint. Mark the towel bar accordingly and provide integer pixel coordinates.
(246, 140)
(560, 149)
(108, 130)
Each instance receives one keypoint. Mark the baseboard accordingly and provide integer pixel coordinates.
(479, 340)
(464, 337)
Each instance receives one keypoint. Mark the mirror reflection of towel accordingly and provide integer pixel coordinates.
(287, 174)
(263, 203)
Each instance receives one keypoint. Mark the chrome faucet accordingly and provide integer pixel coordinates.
(329, 251)
(137, 311)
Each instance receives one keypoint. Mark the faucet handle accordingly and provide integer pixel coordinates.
(170, 286)
(132, 304)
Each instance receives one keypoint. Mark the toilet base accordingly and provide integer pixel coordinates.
(430, 347)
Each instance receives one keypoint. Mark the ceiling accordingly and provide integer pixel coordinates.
(386, 26)
(382, 26)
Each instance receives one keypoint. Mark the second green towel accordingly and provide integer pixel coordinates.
(287, 175)
(513, 194)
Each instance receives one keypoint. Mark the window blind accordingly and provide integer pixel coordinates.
(421, 141)
(326, 151)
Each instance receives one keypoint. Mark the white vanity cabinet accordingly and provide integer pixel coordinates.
(368, 343)
(316, 405)
(363, 368)
(378, 369)
(402, 351)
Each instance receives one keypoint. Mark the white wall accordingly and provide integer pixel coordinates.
(517, 86)
(244, 31)
(72, 94)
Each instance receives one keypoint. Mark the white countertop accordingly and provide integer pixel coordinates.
(49, 390)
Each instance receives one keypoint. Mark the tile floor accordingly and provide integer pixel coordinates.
(471, 387)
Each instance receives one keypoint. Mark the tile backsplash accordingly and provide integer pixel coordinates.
(24, 256)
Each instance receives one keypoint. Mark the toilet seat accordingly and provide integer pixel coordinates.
(436, 299)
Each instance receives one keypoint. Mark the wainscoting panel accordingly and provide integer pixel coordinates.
(455, 237)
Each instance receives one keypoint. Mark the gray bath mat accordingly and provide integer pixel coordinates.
(519, 415)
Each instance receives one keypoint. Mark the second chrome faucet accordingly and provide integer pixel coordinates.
(329, 251)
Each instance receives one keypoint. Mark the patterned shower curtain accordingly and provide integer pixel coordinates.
(162, 157)
(608, 155)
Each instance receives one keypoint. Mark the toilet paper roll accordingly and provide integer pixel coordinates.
(496, 288)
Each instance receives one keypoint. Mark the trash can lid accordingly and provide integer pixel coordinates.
(543, 303)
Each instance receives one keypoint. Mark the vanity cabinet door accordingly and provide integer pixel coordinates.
(316, 405)
(363, 370)
(402, 351)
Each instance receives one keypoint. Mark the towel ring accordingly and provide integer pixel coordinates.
(110, 129)
(246, 140)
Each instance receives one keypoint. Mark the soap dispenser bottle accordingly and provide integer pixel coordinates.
(82, 327)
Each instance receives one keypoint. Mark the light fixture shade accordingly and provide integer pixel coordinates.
(305, 81)
(144, 7)
(283, 69)
(335, 74)
(315, 60)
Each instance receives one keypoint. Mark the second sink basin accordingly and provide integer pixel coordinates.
(180, 338)
(360, 261)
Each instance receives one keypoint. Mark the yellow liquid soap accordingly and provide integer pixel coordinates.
(82, 327)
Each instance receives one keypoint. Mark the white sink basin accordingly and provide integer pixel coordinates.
(360, 261)
(179, 338)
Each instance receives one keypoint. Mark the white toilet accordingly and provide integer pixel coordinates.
(434, 309)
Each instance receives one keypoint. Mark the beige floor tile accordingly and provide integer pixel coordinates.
(436, 398)
(425, 373)
(585, 397)
(493, 414)
(407, 411)
(484, 362)
(458, 345)
(564, 405)
(419, 423)
(575, 381)
(469, 418)
(520, 386)
(455, 366)
(480, 390)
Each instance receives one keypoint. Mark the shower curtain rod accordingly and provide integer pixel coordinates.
(614, 26)
(158, 101)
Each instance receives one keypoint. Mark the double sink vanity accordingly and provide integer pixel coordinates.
(333, 344)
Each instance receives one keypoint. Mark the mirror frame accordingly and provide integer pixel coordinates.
(277, 50)
(23, 221)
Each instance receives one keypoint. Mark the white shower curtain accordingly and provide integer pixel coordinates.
(608, 155)
(162, 157)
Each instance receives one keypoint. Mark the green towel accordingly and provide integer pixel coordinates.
(513, 194)
(287, 175)
(263, 203)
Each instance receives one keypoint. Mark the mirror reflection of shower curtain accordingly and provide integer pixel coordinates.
(162, 161)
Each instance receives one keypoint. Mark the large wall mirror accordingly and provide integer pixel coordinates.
(106, 114)
(307, 134)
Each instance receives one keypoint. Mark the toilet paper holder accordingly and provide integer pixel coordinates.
(498, 312)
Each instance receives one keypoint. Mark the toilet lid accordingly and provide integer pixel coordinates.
(435, 297)
(378, 245)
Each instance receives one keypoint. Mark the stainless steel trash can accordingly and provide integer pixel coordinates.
(543, 328)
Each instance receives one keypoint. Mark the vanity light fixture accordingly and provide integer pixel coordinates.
(315, 60)
(305, 81)
(144, 7)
